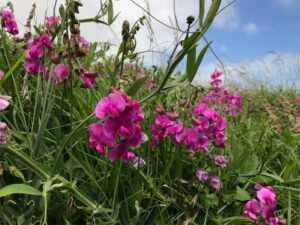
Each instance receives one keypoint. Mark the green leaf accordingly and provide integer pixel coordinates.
(201, 11)
(62, 12)
(241, 194)
(110, 13)
(200, 57)
(13, 68)
(190, 64)
(18, 189)
(136, 86)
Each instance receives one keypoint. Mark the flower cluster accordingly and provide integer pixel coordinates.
(221, 98)
(35, 55)
(120, 130)
(166, 124)
(208, 126)
(265, 205)
(214, 181)
(51, 22)
(8, 21)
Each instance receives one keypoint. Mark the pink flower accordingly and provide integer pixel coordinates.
(220, 160)
(98, 139)
(62, 72)
(215, 182)
(34, 67)
(4, 102)
(35, 52)
(202, 175)
(112, 106)
(265, 205)
(122, 117)
(9, 22)
(51, 22)
(266, 195)
(252, 208)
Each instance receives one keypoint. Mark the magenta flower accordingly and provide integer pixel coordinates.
(4, 102)
(202, 175)
(215, 182)
(98, 139)
(51, 21)
(8, 21)
(252, 209)
(35, 55)
(34, 67)
(35, 52)
(122, 117)
(266, 195)
(62, 73)
(112, 105)
(265, 205)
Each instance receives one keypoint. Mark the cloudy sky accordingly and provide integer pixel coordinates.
(245, 34)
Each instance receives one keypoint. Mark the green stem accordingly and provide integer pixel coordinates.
(38, 169)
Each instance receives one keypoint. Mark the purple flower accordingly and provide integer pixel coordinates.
(220, 160)
(215, 182)
(202, 175)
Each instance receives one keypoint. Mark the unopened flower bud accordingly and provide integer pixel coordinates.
(55, 59)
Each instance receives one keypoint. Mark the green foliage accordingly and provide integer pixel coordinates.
(49, 175)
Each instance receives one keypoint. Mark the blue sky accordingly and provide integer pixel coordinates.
(261, 26)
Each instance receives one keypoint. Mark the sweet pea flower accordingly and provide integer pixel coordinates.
(112, 105)
(4, 102)
(121, 121)
(266, 195)
(202, 175)
(215, 182)
(62, 73)
(265, 205)
(8, 20)
(253, 207)
(220, 160)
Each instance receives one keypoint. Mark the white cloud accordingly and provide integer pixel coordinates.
(229, 18)
(251, 28)
(274, 69)
(162, 10)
